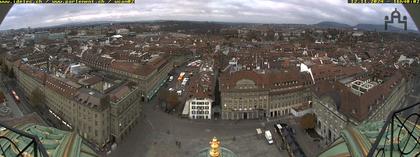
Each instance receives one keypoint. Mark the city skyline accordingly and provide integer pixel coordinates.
(133, 89)
(249, 11)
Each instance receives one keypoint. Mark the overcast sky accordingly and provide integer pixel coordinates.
(258, 11)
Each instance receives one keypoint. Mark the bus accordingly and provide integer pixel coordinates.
(181, 76)
(15, 96)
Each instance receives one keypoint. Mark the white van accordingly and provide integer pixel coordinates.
(269, 137)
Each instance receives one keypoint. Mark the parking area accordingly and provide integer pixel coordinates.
(179, 80)
(158, 133)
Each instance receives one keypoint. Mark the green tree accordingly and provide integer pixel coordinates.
(37, 97)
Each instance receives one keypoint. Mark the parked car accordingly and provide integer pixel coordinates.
(278, 127)
(259, 131)
(284, 125)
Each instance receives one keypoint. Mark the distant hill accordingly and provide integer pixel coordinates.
(203, 26)
(83, 23)
(329, 24)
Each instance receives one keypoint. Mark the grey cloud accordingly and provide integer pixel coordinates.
(263, 11)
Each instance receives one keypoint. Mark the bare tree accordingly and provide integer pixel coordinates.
(308, 121)
(37, 97)
(5, 69)
(172, 100)
(11, 73)
(169, 98)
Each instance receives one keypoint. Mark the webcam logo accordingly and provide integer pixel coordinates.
(396, 15)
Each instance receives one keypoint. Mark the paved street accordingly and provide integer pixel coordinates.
(157, 133)
(16, 112)
(23, 107)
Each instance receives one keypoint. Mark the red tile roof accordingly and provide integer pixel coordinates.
(139, 68)
(60, 86)
(373, 97)
(268, 80)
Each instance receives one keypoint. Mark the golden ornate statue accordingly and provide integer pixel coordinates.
(215, 148)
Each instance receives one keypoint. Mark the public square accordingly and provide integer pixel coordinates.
(157, 132)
